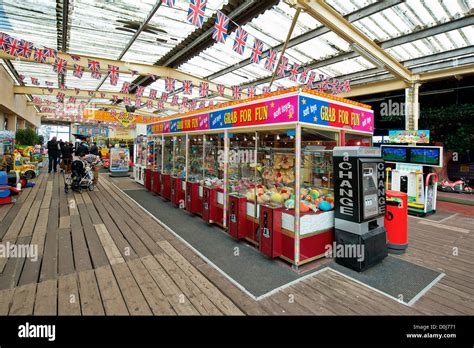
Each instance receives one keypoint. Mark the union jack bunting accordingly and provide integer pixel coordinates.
(113, 74)
(138, 103)
(220, 89)
(75, 57)
(188, 87)
(39, 56)
(102, 95)
(126, 100)
(152, 94)
(170, 84)
(175, 100)
(346, 86)
(251, 91)
(25, 49)
(257, 51)
(133, 72)
(96, 75)
(160, 105)
(113, 112)
(59, 66)
(72, 100)
(184, 101)
(294, 72)
(271, 59)
(63, 87)
(50, 53)
(115, 98)
(326, 84)
(77, 90)
(4, 40)
(78, 71)
(139, 91)
(93, 65)
(211, 104)
(91, 93)
(203, 89)
(164, 96)
(196, 11)
(169, 3)
(50, 90)
(236, 92)
(280, 88)
(266, 90)
(60, 97)
(282, 66)
(34, 81)
(13, 47)
(37, 100)
(194, 104)
(125, 87)
(202, 104)
(304, 75)
(240, 40)
(48, 83)
(21, 77)
(149, 104)
(220, 27)
(311, 78)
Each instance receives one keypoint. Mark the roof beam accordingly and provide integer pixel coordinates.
(357, 15)
(359, 41)
(101, 106)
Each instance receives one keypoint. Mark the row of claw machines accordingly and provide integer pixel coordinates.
(259, 168)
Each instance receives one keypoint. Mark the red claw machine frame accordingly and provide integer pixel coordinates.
(266, 167)
(154, 160)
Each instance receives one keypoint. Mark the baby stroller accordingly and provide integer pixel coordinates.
(81, 177)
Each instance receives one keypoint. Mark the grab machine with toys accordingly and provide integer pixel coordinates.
(409, 176)
(359, 190)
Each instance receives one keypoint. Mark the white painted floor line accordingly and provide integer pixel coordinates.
(445, 227)
(448, 218)
(425, 290)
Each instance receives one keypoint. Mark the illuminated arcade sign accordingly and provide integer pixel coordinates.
(409, 136)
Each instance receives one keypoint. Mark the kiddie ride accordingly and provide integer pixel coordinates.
(27, 169)
(6, 191)
(408, 175)
(458, 186)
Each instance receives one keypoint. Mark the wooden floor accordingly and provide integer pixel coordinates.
(99, 253)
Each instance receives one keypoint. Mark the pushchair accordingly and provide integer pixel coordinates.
(81, 177)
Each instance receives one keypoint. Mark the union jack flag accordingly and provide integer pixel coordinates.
(160, 105)
(320, 88)
(34, 81)
(4, 40)
(125, 87)
(102, 95)
(251, 91)
(211, 104)
(93, 65)
(326, 84)
(60, 97)
(21, 77)
(113, 112)
(50, 90)
(25, 49)
(169, 3)
(37, 100)
(13, 47)
(266, 89)
(197, 9)
(236, 92)
(220, 89)
(282, 66)
(240, 40)
(126, 100)
(184, 101)
(152, 94)
(175, 100)
(91, 93)
(149, 104)
(220, 28)
(60, 66)
(271, 59)
(40, 57)
(78, 71)
(203, 89)
(139, 91)
(188, 87)
(75, 57)
(77, 90)
(115, 98)
(280, 88)
(346, 86)
(194, 104)
(113, 74)
(294, 72)
(138, 103)
(312, 77)
(202, 104)
(164, 96)
(257, 51)
(72, 100)
(50, 53)
(96, 75)
(169, 84)
(304, 75)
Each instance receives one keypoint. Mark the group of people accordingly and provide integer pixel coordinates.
(63, 152)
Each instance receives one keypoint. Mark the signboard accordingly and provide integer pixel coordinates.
(123, 133)
(158, 128)
(107, 116)
(192, 123)
(267, 112)
(326, 113)
(6, 141)
(409, 136)
(93, 131)
(119, 159)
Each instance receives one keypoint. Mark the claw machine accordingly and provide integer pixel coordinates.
(195, 173)
(154, 159)
(178, 173)
(167, 167)
(139, 159)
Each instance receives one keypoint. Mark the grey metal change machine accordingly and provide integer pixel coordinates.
(359, 206)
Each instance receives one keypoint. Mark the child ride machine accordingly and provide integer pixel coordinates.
(6, 190)
(410, 175)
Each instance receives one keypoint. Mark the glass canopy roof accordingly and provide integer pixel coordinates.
(107, 28)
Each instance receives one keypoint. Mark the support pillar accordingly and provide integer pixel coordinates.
(21, 123)
(412, 107)
(11, 122)
(2, 121)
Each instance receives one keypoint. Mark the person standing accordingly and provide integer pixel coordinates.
(94, 149)
(67, 152)
(53, 154)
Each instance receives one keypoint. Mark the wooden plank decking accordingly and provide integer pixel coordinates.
(99, 253)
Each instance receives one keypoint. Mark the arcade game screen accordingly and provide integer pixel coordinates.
(395, 154)
(425, 156)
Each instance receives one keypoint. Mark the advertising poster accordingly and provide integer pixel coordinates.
(119, 159)
(326, 113)
(409, 136)
(93, 131)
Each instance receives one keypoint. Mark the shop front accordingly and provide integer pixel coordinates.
(262, 168)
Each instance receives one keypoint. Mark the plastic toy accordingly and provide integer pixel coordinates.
(6, 190)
